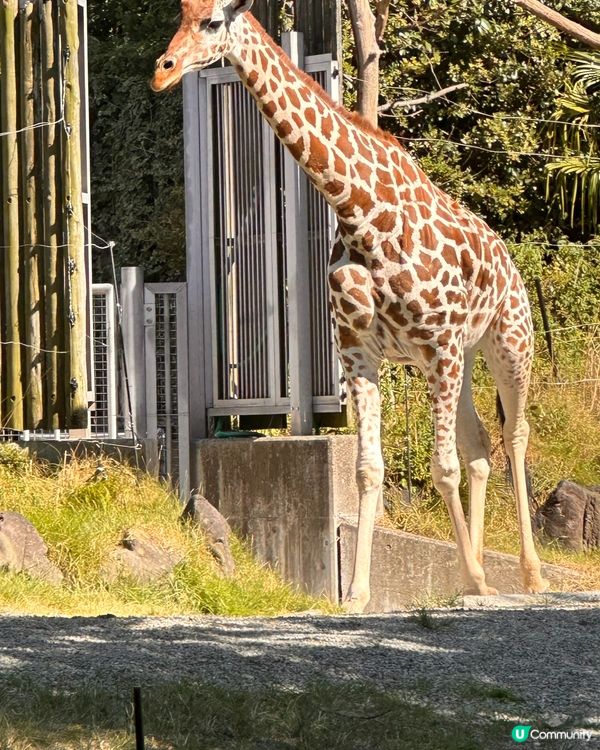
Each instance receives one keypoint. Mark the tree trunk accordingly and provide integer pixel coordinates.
(53, 297)
(31, 216)
(367, 53)
(76, 287)
(12, 412)
(576, 30)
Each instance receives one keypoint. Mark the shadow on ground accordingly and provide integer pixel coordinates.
(439, 681)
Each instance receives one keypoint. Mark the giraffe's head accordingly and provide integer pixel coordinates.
(204, 37)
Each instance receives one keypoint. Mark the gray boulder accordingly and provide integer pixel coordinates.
(22, 549)
(200, 512)
(140, 558)
(571, 515)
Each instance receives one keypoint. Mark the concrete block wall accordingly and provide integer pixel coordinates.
(296, 499)
(287, 495)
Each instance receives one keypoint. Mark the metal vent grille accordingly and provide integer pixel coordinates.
(321, 235)
(166, 382)
(167, 415)
(103, 417)
(251, 231)
(239, 245)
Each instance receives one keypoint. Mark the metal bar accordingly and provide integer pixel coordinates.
(138, 719)
(194, 135)
(163, 301)
(150, 358)
(133, 322)
(183, 395)
(300, 344)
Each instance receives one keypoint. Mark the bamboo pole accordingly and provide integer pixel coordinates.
(52, 265)
(76, 286)
(13, 401)
(31, 218)
(2, 335)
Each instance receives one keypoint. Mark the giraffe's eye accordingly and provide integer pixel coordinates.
(211, 25)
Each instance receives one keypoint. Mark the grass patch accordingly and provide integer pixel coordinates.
(194, 716)
(564, 444)
(82, 519)
(486, 691)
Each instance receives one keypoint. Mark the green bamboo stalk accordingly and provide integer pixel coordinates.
(13, 402)
(52, 265)
(31, 218)
(76, 282)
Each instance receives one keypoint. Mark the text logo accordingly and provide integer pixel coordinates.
(520, 733)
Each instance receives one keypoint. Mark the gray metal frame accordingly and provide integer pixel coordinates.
(290, 363)
(174, 416)
(103, 414)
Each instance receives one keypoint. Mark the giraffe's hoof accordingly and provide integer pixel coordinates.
(484, 590)
(537, 585)
(355, 605)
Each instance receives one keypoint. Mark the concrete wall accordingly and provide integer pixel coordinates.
(286, 495)
(408, 568)
(296, 499)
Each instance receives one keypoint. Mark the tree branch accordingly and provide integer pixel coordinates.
(554, 18)
(422, 99)
(367, 53)
(382, 12)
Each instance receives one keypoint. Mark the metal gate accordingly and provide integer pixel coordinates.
(259, 237)
(166, 376)
(103, 414)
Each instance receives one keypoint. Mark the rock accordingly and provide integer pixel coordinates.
(140, 558)
(22, 549)
(571, 515)
(203, 514)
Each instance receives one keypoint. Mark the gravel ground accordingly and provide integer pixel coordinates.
(546, 656)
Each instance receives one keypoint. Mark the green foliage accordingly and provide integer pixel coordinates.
(136, 140)
(478, 143)
(14, 459)
(574, 177)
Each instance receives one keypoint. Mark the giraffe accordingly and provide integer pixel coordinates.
(414, 278)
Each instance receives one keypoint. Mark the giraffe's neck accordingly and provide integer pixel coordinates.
(345, 162)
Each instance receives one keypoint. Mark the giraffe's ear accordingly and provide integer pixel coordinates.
(237, 7)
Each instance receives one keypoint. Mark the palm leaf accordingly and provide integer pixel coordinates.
(573, 182)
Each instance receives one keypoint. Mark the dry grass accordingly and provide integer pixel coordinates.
(564, 444)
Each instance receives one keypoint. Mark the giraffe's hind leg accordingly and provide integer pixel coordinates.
(508, 350)
(474, 446)
(445, 376)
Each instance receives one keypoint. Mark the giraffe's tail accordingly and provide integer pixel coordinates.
(533, 504)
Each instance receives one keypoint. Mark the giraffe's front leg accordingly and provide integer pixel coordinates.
(364, 390)
(444, 376)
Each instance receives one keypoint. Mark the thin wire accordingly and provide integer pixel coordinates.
(479, 148)
(34, 245)
(31, 346)
(494, 115)
(35, 126)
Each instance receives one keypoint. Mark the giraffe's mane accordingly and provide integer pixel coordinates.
(354, 118)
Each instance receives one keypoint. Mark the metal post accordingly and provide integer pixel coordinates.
(198, 299)
(300, 344)
(132, 304)
(138, 720)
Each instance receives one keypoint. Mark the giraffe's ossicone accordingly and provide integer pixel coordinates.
(414, 278)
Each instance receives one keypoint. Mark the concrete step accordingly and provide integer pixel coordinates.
(408, 570)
